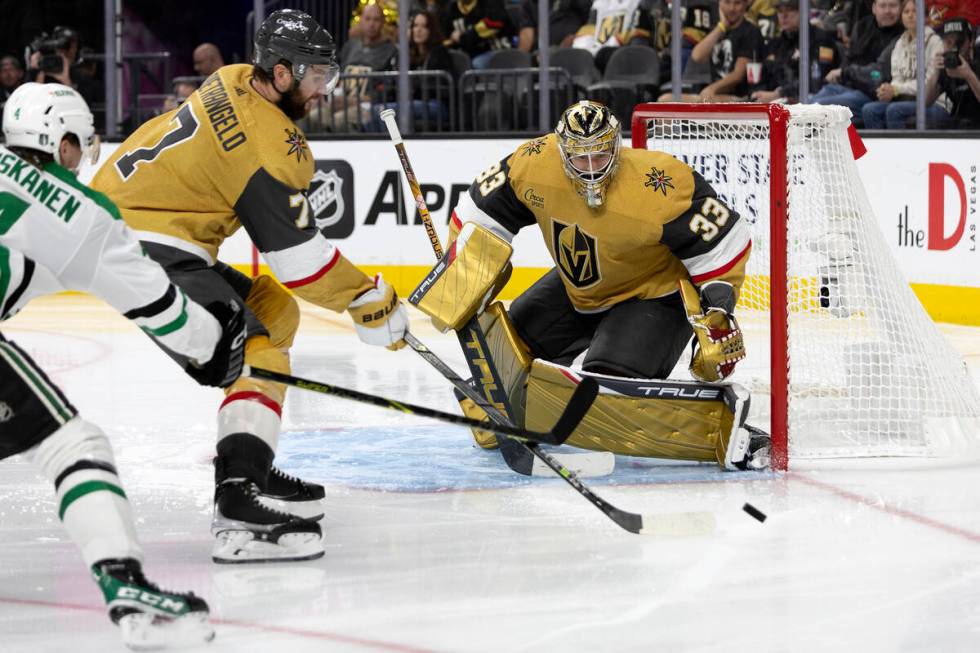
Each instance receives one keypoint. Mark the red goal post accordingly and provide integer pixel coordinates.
(851, 363)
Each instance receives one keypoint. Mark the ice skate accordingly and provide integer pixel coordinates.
(292, 495)
(150, 618)
(249, 531)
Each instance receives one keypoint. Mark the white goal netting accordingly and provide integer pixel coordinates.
(869, 374)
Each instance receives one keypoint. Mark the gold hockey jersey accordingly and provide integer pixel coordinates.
(660, 222)
(224, 159)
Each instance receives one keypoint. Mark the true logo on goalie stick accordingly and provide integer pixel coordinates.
(576, 253)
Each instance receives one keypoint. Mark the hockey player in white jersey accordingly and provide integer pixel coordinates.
(55, 233)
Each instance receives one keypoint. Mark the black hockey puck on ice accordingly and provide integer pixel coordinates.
(754, 512)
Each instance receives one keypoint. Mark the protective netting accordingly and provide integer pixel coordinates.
(869, 372)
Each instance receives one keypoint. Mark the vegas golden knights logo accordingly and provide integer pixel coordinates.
(576, 253)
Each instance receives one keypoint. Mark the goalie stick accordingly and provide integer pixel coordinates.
(519, 458)
(579, 404)
(684, 523)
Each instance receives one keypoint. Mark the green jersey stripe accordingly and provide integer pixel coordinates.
(177, 323)
(11, 208)
(58, 409)
(88, 487)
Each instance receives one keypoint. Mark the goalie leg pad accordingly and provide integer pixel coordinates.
(462, 281)
(677, 420)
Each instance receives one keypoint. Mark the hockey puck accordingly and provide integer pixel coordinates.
(754, 512)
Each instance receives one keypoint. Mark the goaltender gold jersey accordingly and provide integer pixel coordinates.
(224, 159)
(660, 222)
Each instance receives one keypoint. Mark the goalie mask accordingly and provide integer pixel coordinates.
(38, 116)
(588, 140)
(292, 37)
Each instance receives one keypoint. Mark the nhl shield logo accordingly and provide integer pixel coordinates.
(576, 253)
(326, 198)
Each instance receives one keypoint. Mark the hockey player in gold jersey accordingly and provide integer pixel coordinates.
(645, 253)
(231, 157)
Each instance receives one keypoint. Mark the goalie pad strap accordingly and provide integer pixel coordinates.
(461, 281)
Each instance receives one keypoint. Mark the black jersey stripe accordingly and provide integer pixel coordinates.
(155, 307)
(21, 287)
(82, 465)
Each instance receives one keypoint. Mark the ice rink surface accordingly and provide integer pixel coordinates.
(433, 545)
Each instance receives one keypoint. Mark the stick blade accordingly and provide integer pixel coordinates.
(678, 524)
(579, 404)
(589, 464)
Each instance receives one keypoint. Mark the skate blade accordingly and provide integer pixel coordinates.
(304, 509)
(146, 632)
(583, 465)
(241, 547)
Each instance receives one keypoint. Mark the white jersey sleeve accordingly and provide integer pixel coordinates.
(76, 236)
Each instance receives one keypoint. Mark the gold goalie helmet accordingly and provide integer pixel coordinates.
(588, 139)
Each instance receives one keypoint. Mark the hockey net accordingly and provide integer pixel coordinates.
(843, 361)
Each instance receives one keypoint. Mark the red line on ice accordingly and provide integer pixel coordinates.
(313, 634)
(891, 510)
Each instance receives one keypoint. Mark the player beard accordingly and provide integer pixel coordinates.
(293, 104)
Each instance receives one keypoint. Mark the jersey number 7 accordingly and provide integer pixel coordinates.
(185, 128)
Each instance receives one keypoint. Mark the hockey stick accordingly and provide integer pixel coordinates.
(579, 404)
(685, 523)
(471, 337)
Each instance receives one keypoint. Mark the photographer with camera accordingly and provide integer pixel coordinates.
(51, 57)
(958, 74)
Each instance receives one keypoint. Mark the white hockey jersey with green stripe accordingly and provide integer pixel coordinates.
(57, 234)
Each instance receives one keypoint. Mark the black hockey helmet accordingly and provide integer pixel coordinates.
(295, 36)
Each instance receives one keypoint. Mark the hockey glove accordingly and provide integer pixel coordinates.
(718, 345)
(229, 354)
(379, 317)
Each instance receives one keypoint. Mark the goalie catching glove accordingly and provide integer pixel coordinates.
(718, 345)
(379, 318)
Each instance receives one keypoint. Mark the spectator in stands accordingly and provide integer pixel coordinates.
(11, 76)
(425, 52)
(478, 28)
(60, 64)
(697, 18)
(565, 17)
(763, 14)
(896, 99)
(730, 46)
(350, 106)
(854, 83)
(781, 68)
(840, 16)
(389, 9)
(612, 23)
(961, 84)
(183, 87)
(207, 59)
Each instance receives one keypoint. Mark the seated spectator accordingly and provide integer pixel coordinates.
(207, 59)
(840, 16)
(730, 46)
(781, 68)
(854, 83)
(11, 76)
(565, 17)
(425, 52)
(959, 85)
(183, 87)
(613, 23)
(389, 9)
(697, 17)
(478, 28)
(763, 14)
(350, 106)
(896, 99)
